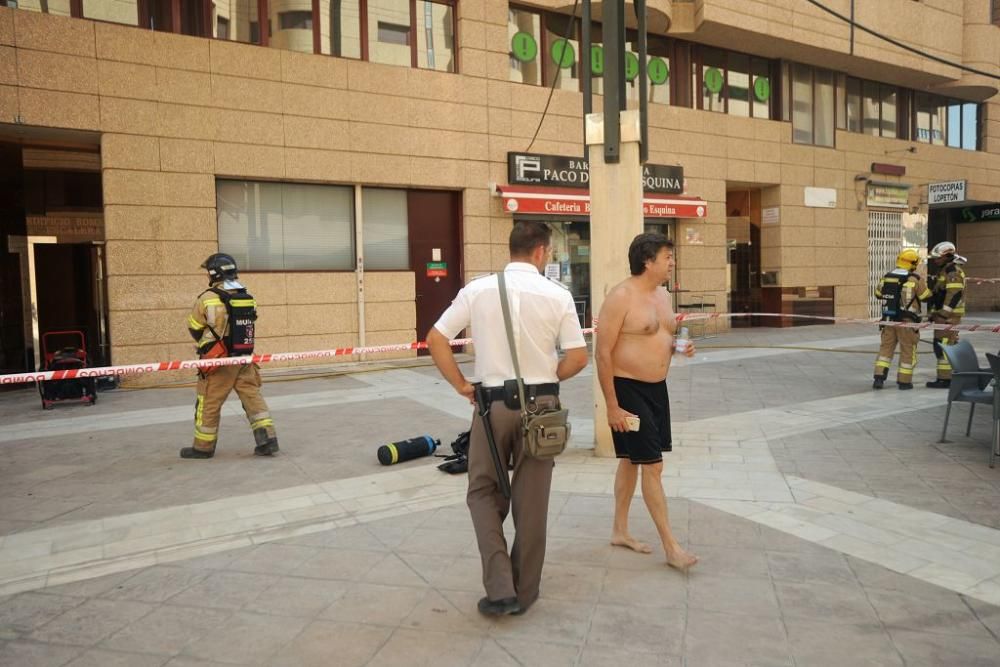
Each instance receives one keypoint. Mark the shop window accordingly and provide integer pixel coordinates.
(435, 37)
(286, 226)
(712, 74)
(340, 28)
(738, 85)
(385, 230)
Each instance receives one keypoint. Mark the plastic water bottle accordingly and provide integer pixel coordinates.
(681, 343)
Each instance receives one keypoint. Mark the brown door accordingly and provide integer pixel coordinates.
(435, 225)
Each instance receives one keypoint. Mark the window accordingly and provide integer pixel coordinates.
(295, 20)
(386, 229)
(115, 11)
(732, 83)
(813, 105)
(340, 28)
(562, 55)
(435, 37)
(888, 97)
(389, 33)
(870, 101)
(995, 13)
(286, 226)
(524, 36)
(57, 7)
(222, 28)
(712, 73)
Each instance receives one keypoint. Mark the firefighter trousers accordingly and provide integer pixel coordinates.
(907, 340)
(214, 388)
(942, 338)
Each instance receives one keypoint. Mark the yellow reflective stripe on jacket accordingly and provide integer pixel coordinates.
(212, 302)
(243, 303)
(194, 324)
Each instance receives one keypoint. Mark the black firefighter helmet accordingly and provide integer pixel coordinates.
(220, 266)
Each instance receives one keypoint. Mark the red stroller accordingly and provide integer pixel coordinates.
(70, 357)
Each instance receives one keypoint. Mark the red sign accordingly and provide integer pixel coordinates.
(570, 201)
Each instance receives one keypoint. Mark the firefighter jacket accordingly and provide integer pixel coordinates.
(903, 291)
(949, 292)
(209, 322)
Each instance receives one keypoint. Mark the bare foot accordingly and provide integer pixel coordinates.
(631, 543)
(681, 559)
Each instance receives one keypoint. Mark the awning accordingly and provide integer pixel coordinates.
(574, 201)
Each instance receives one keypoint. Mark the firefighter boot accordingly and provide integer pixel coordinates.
(939, 384)
(192, 453)
(266, 445)
(905, 385)
(880, 380)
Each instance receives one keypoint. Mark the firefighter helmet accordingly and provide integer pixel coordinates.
(908, 259)
(220, 266)
(942, 249)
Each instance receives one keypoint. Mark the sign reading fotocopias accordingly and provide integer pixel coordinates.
(524, 48)
(574, 172)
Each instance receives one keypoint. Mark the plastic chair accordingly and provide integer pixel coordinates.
(995, 367)
(968, 382)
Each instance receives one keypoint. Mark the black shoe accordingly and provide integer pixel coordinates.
(878, 383)
(524, 608)
(489, 607)
(905, 385)
(267, 449)
(939, 384)
(192, 453)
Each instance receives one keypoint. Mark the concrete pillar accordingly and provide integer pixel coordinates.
(615, 219)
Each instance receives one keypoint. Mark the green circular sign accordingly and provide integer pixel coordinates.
(658, 71)
(562, 53)
(631, 66)
(713, 80)
(597, 60)
(523, 47)
(762, 88)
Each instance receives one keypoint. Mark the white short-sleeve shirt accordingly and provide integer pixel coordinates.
(542, 314)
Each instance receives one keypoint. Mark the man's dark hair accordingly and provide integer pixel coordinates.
(645, 247)
(528, 235)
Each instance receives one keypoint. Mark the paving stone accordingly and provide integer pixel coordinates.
(157, 584)
(518, 653)
(30, 654)
(90, 622)
(747, 640)
(829, 568)
(346, 564)
(661, 587)
(21, 614)
(224, 590)
(927, 649)
(929, 611)
(101, 658)
(427, 649)
(821, 643)
(836, 604)
(638, 629)
(297, 596)
(374, 604)
(733, 595)
(167, 630)
(323, 643)
(246, 638)
(273, 558)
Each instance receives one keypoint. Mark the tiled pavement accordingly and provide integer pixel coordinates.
(794, 483)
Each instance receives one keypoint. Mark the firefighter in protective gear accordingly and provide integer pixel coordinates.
(221, 323)
(903, 290)
(947, 306)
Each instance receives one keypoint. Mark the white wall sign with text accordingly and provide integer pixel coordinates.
(948, 192)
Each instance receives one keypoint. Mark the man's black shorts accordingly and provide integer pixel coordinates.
(649, 401)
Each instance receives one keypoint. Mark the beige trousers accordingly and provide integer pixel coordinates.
(214, 388)
(907, 340)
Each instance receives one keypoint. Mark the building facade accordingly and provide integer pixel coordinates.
(362, 159)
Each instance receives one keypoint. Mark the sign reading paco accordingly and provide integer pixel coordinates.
(573, 172)
(948, 192)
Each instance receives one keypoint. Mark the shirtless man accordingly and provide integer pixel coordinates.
(635, 342)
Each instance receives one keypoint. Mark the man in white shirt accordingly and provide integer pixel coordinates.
(543, 316)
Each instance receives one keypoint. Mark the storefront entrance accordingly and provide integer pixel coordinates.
(570, 262)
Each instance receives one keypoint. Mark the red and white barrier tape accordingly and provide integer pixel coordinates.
(979, 281)
(140, 369)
